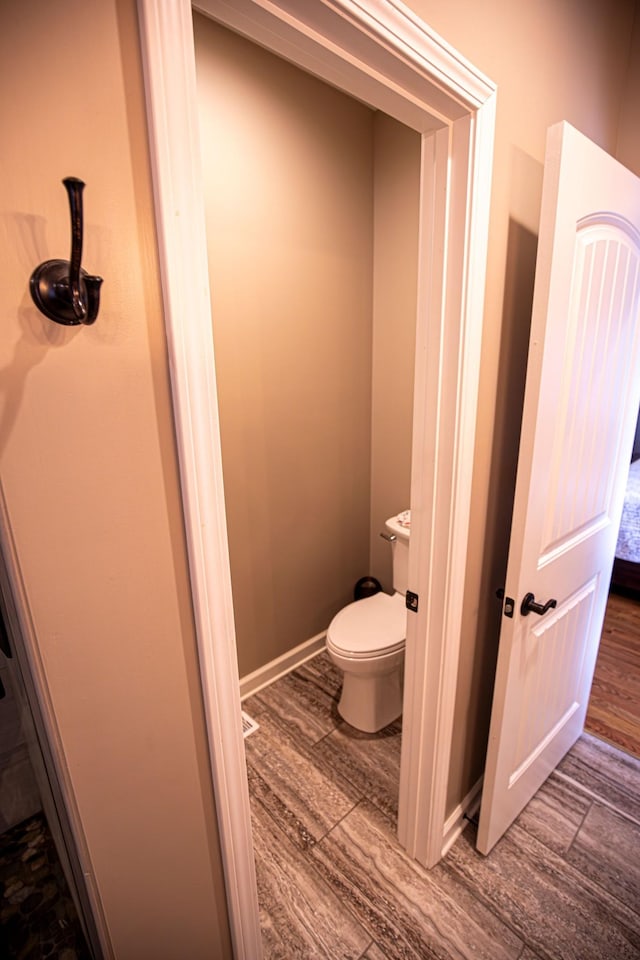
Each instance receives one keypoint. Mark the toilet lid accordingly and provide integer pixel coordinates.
(370, 627)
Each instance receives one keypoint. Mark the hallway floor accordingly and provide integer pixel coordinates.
(333, 882)
(38, 919)
(614, 706)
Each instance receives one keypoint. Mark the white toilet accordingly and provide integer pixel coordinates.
(366, 640)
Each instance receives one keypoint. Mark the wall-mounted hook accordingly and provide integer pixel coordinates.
(61, 289)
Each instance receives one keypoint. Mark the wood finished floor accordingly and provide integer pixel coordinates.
(333, 882)
(614, 707)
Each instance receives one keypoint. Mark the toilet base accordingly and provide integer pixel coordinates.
(370, 703)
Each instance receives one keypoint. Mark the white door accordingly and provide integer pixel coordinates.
(581, 403)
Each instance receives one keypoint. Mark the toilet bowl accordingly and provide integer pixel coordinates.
(366, 640)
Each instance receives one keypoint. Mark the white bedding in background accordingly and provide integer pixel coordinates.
(628, 546)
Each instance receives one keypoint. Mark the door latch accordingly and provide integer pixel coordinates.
(508, 605)
(411, 601)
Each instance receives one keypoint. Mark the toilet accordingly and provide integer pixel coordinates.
(366, 640)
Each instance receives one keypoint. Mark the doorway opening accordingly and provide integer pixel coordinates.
(46, 905)
(312, 204)
(613, 713)
(390, 60)
(37, 909)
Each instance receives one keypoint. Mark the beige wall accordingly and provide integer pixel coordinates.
(551, 61)
(88, 471)
(395, 275)
(628, 147)
(87, 461)
(314, 326)
(288, 181)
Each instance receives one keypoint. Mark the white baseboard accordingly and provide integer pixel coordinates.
(284, 664)
(456, 822)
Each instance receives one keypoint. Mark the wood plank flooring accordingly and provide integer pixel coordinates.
(614, 706)
(333, 882)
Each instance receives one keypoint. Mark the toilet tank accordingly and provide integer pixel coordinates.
(399, 554)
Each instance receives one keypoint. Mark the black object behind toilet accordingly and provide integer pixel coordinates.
(366, 587)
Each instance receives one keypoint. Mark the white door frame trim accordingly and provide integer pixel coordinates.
(379, 51)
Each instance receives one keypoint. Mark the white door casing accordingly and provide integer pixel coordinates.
(581, 404)
(380, 52)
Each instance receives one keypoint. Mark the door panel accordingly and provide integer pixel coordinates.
(581, 399)
(597, 354)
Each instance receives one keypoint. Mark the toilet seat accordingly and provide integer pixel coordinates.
(369, 628)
